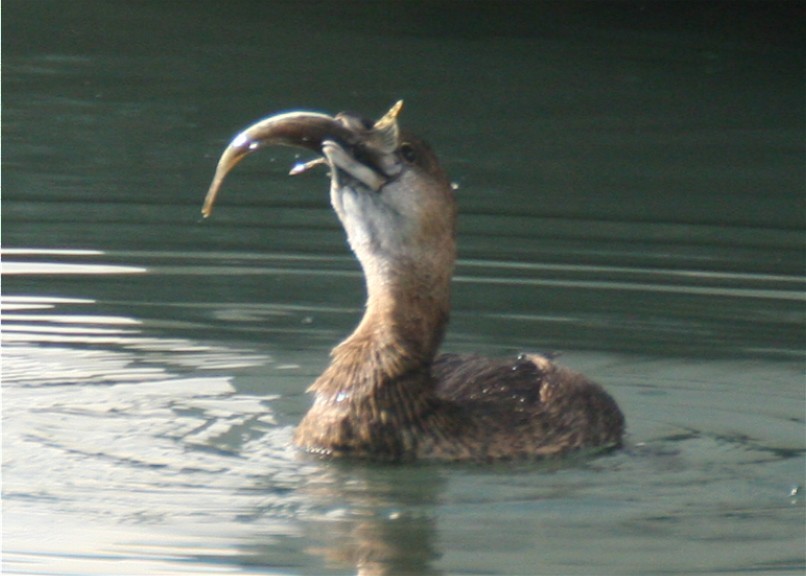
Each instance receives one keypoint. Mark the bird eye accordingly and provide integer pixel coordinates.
(408, 153)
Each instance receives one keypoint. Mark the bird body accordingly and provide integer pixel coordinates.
(386, 394)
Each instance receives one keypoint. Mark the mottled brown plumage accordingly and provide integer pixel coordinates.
(386, 395)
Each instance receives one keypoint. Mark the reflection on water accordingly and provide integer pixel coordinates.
(11, 267)
(139, 434)
(144, 452)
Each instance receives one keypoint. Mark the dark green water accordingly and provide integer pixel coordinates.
(631, 190)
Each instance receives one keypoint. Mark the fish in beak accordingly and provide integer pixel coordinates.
(349, 145)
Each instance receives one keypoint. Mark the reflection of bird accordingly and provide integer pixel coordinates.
(386, 395)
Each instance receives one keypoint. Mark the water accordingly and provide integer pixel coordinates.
(631, 193)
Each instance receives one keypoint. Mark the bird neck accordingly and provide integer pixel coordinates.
(406, 313)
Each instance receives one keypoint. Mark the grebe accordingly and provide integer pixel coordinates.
(386, 395)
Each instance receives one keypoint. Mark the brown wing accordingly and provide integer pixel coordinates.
(467, 378)
(529, 404)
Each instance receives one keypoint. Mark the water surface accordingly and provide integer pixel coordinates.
(631, 195)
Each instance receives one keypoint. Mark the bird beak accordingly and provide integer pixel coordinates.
(300, 129)
(386, 131)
